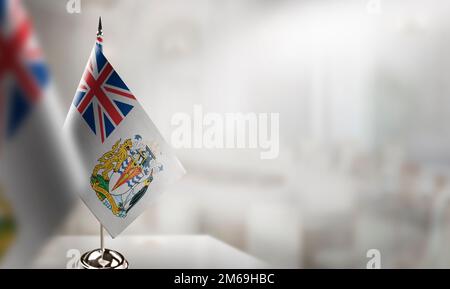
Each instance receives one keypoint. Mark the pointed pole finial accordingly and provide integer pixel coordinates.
(100, 27)
(100, 34)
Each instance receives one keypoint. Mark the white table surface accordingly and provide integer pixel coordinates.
(153, 252)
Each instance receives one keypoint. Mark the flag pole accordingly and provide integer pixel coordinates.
(102, 236)
(102, 239)
(100, 34)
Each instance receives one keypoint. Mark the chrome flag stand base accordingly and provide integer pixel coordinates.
(103, 258)
(107, 259)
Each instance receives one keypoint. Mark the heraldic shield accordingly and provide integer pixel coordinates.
(123, 175)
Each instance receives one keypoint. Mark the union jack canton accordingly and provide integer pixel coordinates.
(23, 73)
(102, 98)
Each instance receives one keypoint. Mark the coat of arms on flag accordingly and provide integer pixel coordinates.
(124, 162)
(124, 174)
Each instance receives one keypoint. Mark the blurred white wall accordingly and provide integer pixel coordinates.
(364, 110)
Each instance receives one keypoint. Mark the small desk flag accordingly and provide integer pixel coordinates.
(124, 160)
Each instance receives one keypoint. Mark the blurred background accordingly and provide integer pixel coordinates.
(362, 88)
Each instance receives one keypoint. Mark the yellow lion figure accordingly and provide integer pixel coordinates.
(113, 159)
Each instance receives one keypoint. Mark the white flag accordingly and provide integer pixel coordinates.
(124, 161)
(34, 185)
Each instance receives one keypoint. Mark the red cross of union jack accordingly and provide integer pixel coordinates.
(23, 73)
(102, 97)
